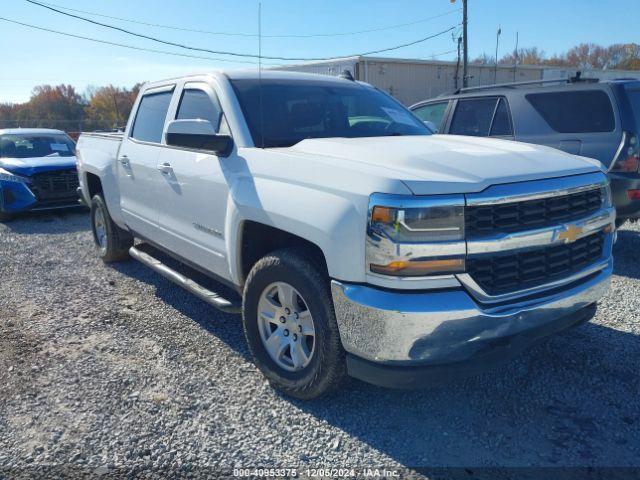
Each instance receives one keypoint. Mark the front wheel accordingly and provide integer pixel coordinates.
(290, 325)
(4, 216)
(112, 242)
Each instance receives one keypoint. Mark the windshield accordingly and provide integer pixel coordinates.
(36, 145)
(296, 110)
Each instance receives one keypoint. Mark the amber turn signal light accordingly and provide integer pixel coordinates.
(419, 268)
(382, 215)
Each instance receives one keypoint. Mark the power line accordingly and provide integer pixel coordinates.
(236, 54)
(123, 45)
(240, 34)
(151, 50)
(438, 54)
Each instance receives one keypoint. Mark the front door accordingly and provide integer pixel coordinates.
(137, 160)
(193, 188)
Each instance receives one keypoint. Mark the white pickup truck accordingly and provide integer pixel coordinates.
(354, 241)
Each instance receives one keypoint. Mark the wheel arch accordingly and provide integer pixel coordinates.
(271, 239)
(94, 184)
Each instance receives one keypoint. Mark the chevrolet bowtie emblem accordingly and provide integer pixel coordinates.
(570, 233)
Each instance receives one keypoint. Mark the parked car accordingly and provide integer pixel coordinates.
(37, 171)
(597, 119)
(357, 242)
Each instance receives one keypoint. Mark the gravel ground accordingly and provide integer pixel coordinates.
(112, 369)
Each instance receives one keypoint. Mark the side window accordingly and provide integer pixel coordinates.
(473, 117)
(433, 112)
(196, 104)
(586, 111)
(502, 120)
(150, 117)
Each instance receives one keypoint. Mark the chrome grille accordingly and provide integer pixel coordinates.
(482, 220)
(502, 273)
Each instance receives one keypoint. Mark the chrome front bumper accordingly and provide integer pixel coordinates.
(438, 327)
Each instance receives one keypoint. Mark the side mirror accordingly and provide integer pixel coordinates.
(198, 134)
(431, 126)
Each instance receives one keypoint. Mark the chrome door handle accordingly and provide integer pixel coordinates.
(124, 160)
(165, 168)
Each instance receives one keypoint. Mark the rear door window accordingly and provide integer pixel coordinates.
(150, 118)
(433, 112)
(586, 111)
(501, 126)
(473, 116)
(196, 104)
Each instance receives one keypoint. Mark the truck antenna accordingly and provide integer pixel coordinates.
(260, 73)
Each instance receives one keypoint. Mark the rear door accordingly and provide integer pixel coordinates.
(137, 160)
(193, 191)
(576, 120)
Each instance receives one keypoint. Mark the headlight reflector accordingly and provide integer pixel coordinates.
(7, 176)
(430, 224)
(416, 236)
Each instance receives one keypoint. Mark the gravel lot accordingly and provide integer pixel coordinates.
(112, 368)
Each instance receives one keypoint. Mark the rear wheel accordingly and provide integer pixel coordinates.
(290, 325)
(112, 242)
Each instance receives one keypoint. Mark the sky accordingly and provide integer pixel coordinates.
(31, 57)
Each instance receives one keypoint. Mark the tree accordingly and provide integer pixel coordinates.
(525, 56)
(53, 107)
(109, 107)
(62, 107)
(8, 114)
(484, 59)
(582, 56)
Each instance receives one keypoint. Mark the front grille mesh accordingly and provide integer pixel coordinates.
(483, 220)
(509, 272)
(56, 186)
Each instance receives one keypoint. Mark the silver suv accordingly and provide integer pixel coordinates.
(597, 119)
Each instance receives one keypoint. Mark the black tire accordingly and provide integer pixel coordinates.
(620, 222)
(326, 370)
(4, 216)
(117, 241)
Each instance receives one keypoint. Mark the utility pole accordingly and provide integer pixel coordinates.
(465, 44)
(495, 70)
(465, 61)
(458, 63)
(515, 59)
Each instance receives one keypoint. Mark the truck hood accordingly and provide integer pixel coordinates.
(30, 166)
(438, 164)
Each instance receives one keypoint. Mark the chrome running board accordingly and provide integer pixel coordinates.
(212, 298)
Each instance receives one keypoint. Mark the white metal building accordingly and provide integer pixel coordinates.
(412, 80)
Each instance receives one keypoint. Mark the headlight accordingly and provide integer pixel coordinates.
(10, 177)
(416, 236)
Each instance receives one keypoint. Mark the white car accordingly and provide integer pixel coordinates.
(357, 242)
